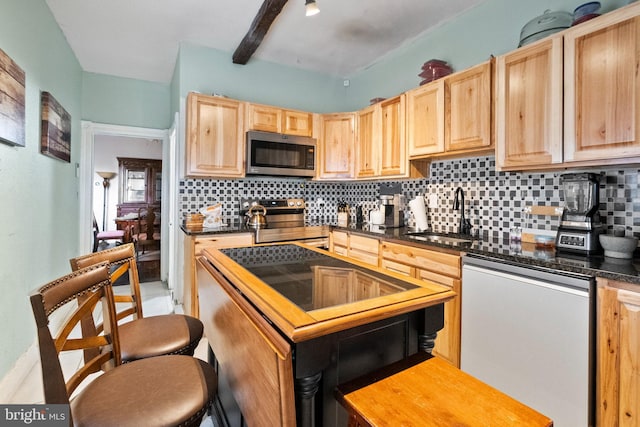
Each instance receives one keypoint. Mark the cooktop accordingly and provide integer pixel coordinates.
(313, 280)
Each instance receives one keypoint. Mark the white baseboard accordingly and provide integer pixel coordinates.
(17, 375)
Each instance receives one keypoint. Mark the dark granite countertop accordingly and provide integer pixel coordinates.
(519, 253)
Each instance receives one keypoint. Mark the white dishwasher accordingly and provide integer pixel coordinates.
(530, 333)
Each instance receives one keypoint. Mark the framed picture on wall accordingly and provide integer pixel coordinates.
(12, 98)
(55, 133)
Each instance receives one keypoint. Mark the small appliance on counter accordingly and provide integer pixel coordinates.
(580, 225)
(392, 202)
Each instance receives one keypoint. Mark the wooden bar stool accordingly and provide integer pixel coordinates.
(141, 337)
(426, 391)
(160, 391)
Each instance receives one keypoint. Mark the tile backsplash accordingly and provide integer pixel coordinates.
(494, 200)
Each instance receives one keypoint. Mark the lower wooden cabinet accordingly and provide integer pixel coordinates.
(444, 268)
(193, 246)
(434, 266)
(618, 354)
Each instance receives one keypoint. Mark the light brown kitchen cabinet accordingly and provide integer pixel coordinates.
(381, 143)
(602, 88)
(355, 246)
(336, 146)
(451, 115)
(425, 119)
(529, 106)
(368, 146)
(215, 137)
(468, 105)
(193, 247)
(618, 354)
(268, 118)
(572, 99)
(434, 266)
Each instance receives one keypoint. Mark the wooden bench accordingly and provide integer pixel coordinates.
(423, 390)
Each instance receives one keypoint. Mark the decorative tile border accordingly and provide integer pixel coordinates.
(494, 200)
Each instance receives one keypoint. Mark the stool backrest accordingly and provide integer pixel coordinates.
(80, 292)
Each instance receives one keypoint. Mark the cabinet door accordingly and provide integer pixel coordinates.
(332, 286)
(215, 144)
(393, 144)
(618, 358)
(336, 145)
(529, 106)
(468, 109)
(425, 119)
(297, 123)
(264, 118)
(602, 92)
(364, 249)
(367, 154)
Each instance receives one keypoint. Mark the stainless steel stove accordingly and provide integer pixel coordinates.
(285, 222)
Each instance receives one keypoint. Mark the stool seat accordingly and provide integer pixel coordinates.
(423, 390)
(158, 335)
(152, 392)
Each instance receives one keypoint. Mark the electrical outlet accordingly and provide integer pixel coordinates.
(433, 201)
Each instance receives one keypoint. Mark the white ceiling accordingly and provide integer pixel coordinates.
(140, 38)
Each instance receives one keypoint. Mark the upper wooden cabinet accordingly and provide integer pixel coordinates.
(215, 136)
(381, 145)
(602, 88)
(273, 119)
(529, 106)
(336, 146)
(452, 114)
(425, 119)
(573, 99)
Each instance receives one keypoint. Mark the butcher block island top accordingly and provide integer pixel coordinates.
(307, 292)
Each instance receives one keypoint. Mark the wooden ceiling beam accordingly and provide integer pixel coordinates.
(268, 13)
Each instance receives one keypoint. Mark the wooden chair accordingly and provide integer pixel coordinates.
(167, 390)
(99, 236)
(141, 337)
(147, 232)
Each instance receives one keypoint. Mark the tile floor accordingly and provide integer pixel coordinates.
(156, 300)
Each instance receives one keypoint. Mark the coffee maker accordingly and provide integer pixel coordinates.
(392, 202)
(580, 225)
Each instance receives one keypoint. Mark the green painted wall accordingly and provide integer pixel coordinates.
(491, 28)
(209, 71)
(128, 102)
(39, 214)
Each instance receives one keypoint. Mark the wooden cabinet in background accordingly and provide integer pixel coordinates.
(529, 106)
(267, 118)
(215, 137)
(193, 246)
(140, 184)
(336, 146)
(618, 354)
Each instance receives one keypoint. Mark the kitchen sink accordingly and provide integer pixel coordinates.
(426, 236)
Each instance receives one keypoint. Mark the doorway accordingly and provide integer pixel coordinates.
(102, 144)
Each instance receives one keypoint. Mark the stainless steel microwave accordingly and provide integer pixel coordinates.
(283, 155)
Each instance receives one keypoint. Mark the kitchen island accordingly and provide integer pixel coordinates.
(288, 323)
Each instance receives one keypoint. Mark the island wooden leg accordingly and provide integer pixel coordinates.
(433, 322)
(306, 389)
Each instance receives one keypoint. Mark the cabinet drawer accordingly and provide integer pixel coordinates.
(397, 267)
(340, 250)
(339, 238)
(442, 263)
(245, 239)
(436, 277)
(363, 244)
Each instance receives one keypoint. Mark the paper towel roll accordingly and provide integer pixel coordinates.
(419, 211)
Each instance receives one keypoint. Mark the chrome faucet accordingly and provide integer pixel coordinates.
(465, 225)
